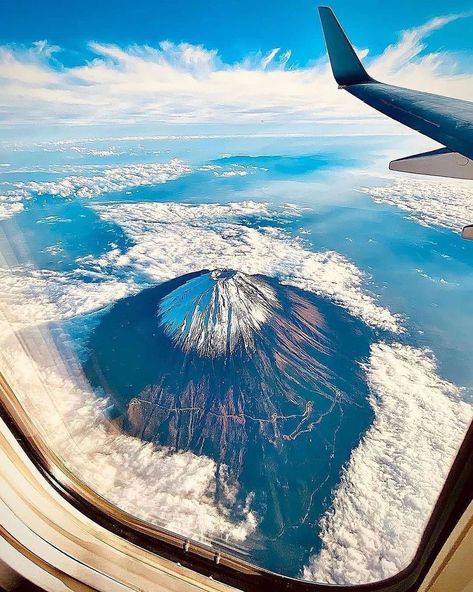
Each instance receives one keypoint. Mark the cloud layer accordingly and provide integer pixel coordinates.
(173, 490)
(173, 239)
(109, 180)
(186, 84)
(401, 462)
(394, 477)
(436, 202)
(169, 489)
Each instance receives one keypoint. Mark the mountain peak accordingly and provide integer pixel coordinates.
(217, 312)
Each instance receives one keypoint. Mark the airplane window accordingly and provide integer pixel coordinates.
(248, 333)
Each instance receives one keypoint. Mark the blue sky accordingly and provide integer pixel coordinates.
(234, 27)
(180, 66)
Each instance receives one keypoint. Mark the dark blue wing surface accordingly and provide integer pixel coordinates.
(446, 120)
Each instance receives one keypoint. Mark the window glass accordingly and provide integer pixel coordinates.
(218, 309)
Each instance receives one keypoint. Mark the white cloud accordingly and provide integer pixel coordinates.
(394, 477)
(269, 57)
(110, 151)
(419, 418)
(28, 66)
(184, 84)
(410, 45)
(173, 490)
(109, 180)
(112, 179)
(173, 239)
(34, 296)
(403, 63)
(10, 207)
(443, 202)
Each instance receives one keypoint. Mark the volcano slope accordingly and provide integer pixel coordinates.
(264, 378)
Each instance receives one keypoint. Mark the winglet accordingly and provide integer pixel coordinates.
(346, 67)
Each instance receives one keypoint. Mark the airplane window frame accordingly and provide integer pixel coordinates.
(455, 497)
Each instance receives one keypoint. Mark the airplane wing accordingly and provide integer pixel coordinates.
(446, 120)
